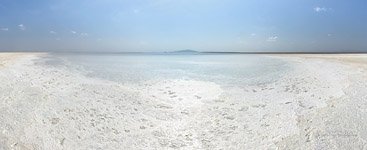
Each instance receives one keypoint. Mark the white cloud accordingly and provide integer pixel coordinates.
(73, 32)
(21, 27)
(4, 29)
(53, 32)
(253, 34)
(272, 39)
(320, 9)
(329, 34)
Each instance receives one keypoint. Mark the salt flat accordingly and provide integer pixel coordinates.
(318, 104)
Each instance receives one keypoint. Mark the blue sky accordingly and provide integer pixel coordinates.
(163, 25)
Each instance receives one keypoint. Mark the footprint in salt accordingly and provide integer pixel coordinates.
(244, 108)
(55, 120)
(162, 106)
(185, 112)
(171, 92)
(230, 117)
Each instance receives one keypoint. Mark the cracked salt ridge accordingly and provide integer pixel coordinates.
(73, 112)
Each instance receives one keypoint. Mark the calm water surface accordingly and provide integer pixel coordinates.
(222, 69)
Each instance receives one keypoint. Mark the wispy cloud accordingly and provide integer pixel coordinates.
(53, 32)
(253, 34)
(320, 9)
(4, 29)
(272, 39)
(84, 34)
(21, 27)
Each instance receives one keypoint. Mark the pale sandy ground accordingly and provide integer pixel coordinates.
(321, 104)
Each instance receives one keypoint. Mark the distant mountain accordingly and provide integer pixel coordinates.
(186, 51)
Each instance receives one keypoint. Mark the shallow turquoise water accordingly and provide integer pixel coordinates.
(222, 69)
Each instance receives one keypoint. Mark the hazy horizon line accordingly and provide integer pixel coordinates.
(193, 52)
